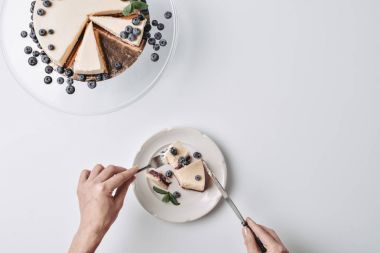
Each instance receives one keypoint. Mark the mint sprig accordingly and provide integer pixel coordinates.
(168, 197)
(135, 5)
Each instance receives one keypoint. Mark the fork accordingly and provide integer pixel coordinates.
(154, 163)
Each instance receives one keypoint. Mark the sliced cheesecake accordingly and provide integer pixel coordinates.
(192, 177)
(117, 25)
(174, 153)
(68, 19)
(158, 179)
(89, 59)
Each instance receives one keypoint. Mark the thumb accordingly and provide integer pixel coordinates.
(249, 241)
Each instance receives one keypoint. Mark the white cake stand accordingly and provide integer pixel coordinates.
(108, 96)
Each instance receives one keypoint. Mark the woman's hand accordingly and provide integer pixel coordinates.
(101, 194)
(267, 236)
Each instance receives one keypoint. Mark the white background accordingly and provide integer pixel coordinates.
(289, 89)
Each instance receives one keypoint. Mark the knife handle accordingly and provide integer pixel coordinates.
(258, 241)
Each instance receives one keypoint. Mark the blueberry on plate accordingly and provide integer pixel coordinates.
(32, 61)
(163, 43)
(49, 69)
(60, 69)
(147, 35)
(24, 34)
(70, 89)
(197, 155)
(176, 194)
(36, 53)
(169, 173)
(69, 72)
(158, 35)
(147, 28)
(48, 79)
(173, 151)
(82, 77)
(154, 57)
(70, 81)
(91, 84)
(160, 26)
(60, 80)
(45, 59)
(28, 50)
(168, 15)
(156, 47)
(154, 23)
(198, 178)
(99, 77)
(151, 41)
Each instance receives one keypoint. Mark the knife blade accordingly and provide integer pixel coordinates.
(229, 201)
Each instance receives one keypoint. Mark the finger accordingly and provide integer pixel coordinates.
(121, 192)
(119, 179)
(249, 241)
(84, 176)
(272, 233)
(96, 171)
(109, 172)
(263, 235)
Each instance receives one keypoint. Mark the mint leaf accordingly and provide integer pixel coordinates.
(139, 5)
(158, 190)
(128, 10)
(173, 199)
(166, 198)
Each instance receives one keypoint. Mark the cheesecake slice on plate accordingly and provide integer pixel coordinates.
(192, 177)
(158, 179)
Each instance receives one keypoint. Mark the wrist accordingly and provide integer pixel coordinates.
(86, 240)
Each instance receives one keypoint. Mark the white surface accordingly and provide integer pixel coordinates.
(294, 105)
(194, 205)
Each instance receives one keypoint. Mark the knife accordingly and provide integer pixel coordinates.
(229, 201)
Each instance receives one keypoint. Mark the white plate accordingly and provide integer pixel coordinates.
(109, 95)
(194, 205)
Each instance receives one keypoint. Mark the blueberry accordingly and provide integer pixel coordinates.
(131, 37)
(91, 84)
(156, 47)
(141, 17)
(136, 31)
(33, 3)
(82, 77)
(157, 35)
(28, 50)
(147, 35)
(51, 47)
(42, 32)
(173, 151)
(198, 178)
(41, 12)
(31, 25)
(152, 41)
(106, 76)
(160, 26)
(197, 155)
(123, 35)
(48, 79)
(70, 81)
(60, 69)
(60, 80)
(169, 173)
(187, 161)
(182, 160)
(154, 23)
(70, 89)
(176, 194)
(154, 57)
(36, 53)
(136, 21)
(42, 52)
(47, 3)
(99, 77)
(118, 65)
(24, 34)
(129, 29)
(147, 28)
(168, 15)
(35, 41)
(39, 46)
(32, 61)
(31, 9)
(45, 59)
(51, 31)
(69, 72)
(32, 35)
(49, 69)
(163, 43)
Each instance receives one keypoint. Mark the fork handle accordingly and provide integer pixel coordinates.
(142, 169)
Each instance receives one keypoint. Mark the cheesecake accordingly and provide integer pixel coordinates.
(158, 179)
(192, 176)
(89, 59)
(189, 172)
(75, 35)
